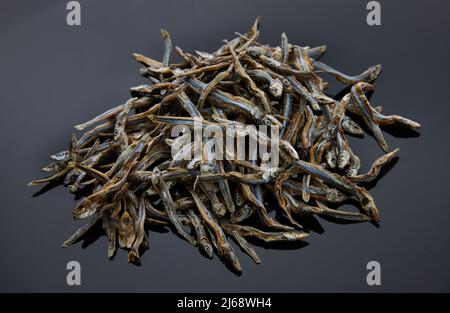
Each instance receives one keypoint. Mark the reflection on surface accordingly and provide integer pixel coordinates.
(308, 222)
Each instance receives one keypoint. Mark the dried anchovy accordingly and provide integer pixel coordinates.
(124, 166)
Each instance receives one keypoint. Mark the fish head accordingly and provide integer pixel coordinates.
(207, 248)
(256, 51)
(241, 213)
(60, 156)
(343, 158)
(334, 195)
(331, 158)
(233, 260)
(219, 208)
(276, 88)
(85, 209)
(294, 235)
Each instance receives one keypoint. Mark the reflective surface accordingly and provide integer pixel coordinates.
(55, 76)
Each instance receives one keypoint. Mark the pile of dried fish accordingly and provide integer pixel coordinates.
(132, 182)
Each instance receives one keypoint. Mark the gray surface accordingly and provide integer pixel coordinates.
(54, 76)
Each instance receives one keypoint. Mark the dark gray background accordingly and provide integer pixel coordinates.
(54, 76)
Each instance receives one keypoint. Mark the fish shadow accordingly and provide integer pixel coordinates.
(384, 170)
(308, 222)
(278, 245)
(47, 187)
(163, 229)
(400, 131)
(342, 93)
(78, 194)
(395, 130)
(94, 234)
(347, 89)
(338, 206)
(81, 193)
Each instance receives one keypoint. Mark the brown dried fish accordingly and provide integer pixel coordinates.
(158, 160)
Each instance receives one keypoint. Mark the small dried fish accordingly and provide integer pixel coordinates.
(135, 175)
